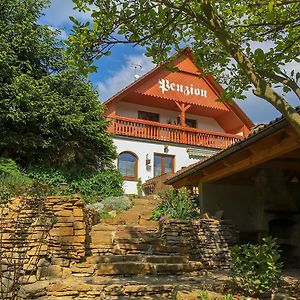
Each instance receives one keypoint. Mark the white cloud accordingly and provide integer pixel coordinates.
(292, 66)
(62, 34)
(124, 76)
(59, 11)
(265, 46)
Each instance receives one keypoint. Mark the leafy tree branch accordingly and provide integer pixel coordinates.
(223, 35)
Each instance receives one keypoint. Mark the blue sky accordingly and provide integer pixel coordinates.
(117, 71)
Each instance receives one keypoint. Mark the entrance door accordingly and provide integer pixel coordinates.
(163, 164)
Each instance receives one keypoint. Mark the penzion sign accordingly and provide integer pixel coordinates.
(165, 86)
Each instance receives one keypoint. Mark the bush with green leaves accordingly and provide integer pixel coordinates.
(176, 204)
(49, 113)
(93, 185)
(12, 180)
(256, 268)
(111, 203)
(205, 295)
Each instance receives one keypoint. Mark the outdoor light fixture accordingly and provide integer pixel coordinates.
(166, 149)
(148, 160)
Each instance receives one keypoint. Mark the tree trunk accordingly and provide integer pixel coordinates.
(262, 88)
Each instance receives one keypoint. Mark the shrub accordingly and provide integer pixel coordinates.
(98, 185)
(205, 295)
(139, 187)
(111, 203)
(256, 268)
(93, 186)
(12, 180)
(176, 204)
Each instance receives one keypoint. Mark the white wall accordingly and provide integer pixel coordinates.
(130, 110)
(141, 148)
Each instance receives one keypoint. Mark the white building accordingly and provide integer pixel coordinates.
(167, 120)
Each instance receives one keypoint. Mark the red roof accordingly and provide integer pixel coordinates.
(147, 91)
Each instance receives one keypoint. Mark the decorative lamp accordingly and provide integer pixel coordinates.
(148, 160)
(166, 149)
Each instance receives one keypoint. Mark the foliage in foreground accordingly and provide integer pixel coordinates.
(176, 204)
(93, 185)
(205, 295)
(49, 113)
(256, 268)
(109, 204)
(255, 42)
(12, 179)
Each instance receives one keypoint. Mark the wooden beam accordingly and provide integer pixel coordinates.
(284, 143)
(270, 151)
(183, 108)
(282, 164)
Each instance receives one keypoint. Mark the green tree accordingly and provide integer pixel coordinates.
(225, 37)
(49, 114)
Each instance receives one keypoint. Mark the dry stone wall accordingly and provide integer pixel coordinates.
(207, 240)
(53, 237)
(40, 237)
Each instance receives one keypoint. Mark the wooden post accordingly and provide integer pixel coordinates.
(182, 116)
(183, 108)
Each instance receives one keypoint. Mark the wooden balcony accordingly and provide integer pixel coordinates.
(171, 133)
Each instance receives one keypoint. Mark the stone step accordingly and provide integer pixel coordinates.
(136, 258)
(145, 268)
(121, 288)
(153, 249)
(121, 227)
(123, 234)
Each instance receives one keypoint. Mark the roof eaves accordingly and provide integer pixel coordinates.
(185, 50)
(267, 129)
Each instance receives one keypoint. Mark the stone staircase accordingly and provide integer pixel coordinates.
(130, 244)
(127, 260)
(136, 265)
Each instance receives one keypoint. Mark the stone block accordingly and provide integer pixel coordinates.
(34, 290)
(64, 213)
(79, 225)
(42, 272)
(78, 239)
(83, 268)
(79, 232)
(55, 271)
(63, 224)
(78, 212)
(102, 239)
(60, 261)
(66, 272)
(123, 268)
(65, 219)
(61, 231)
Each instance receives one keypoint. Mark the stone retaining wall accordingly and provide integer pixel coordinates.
(41, 237)
(207, 240)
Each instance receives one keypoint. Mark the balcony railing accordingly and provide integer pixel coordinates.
(171, 133)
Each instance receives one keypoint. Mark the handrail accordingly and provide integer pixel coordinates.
(158, 124)
(172, 133)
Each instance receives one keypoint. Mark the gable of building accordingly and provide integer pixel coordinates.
(183, 88)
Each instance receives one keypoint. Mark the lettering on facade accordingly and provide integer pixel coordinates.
(165, 86)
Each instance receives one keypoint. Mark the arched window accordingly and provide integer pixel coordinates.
(127, 165)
